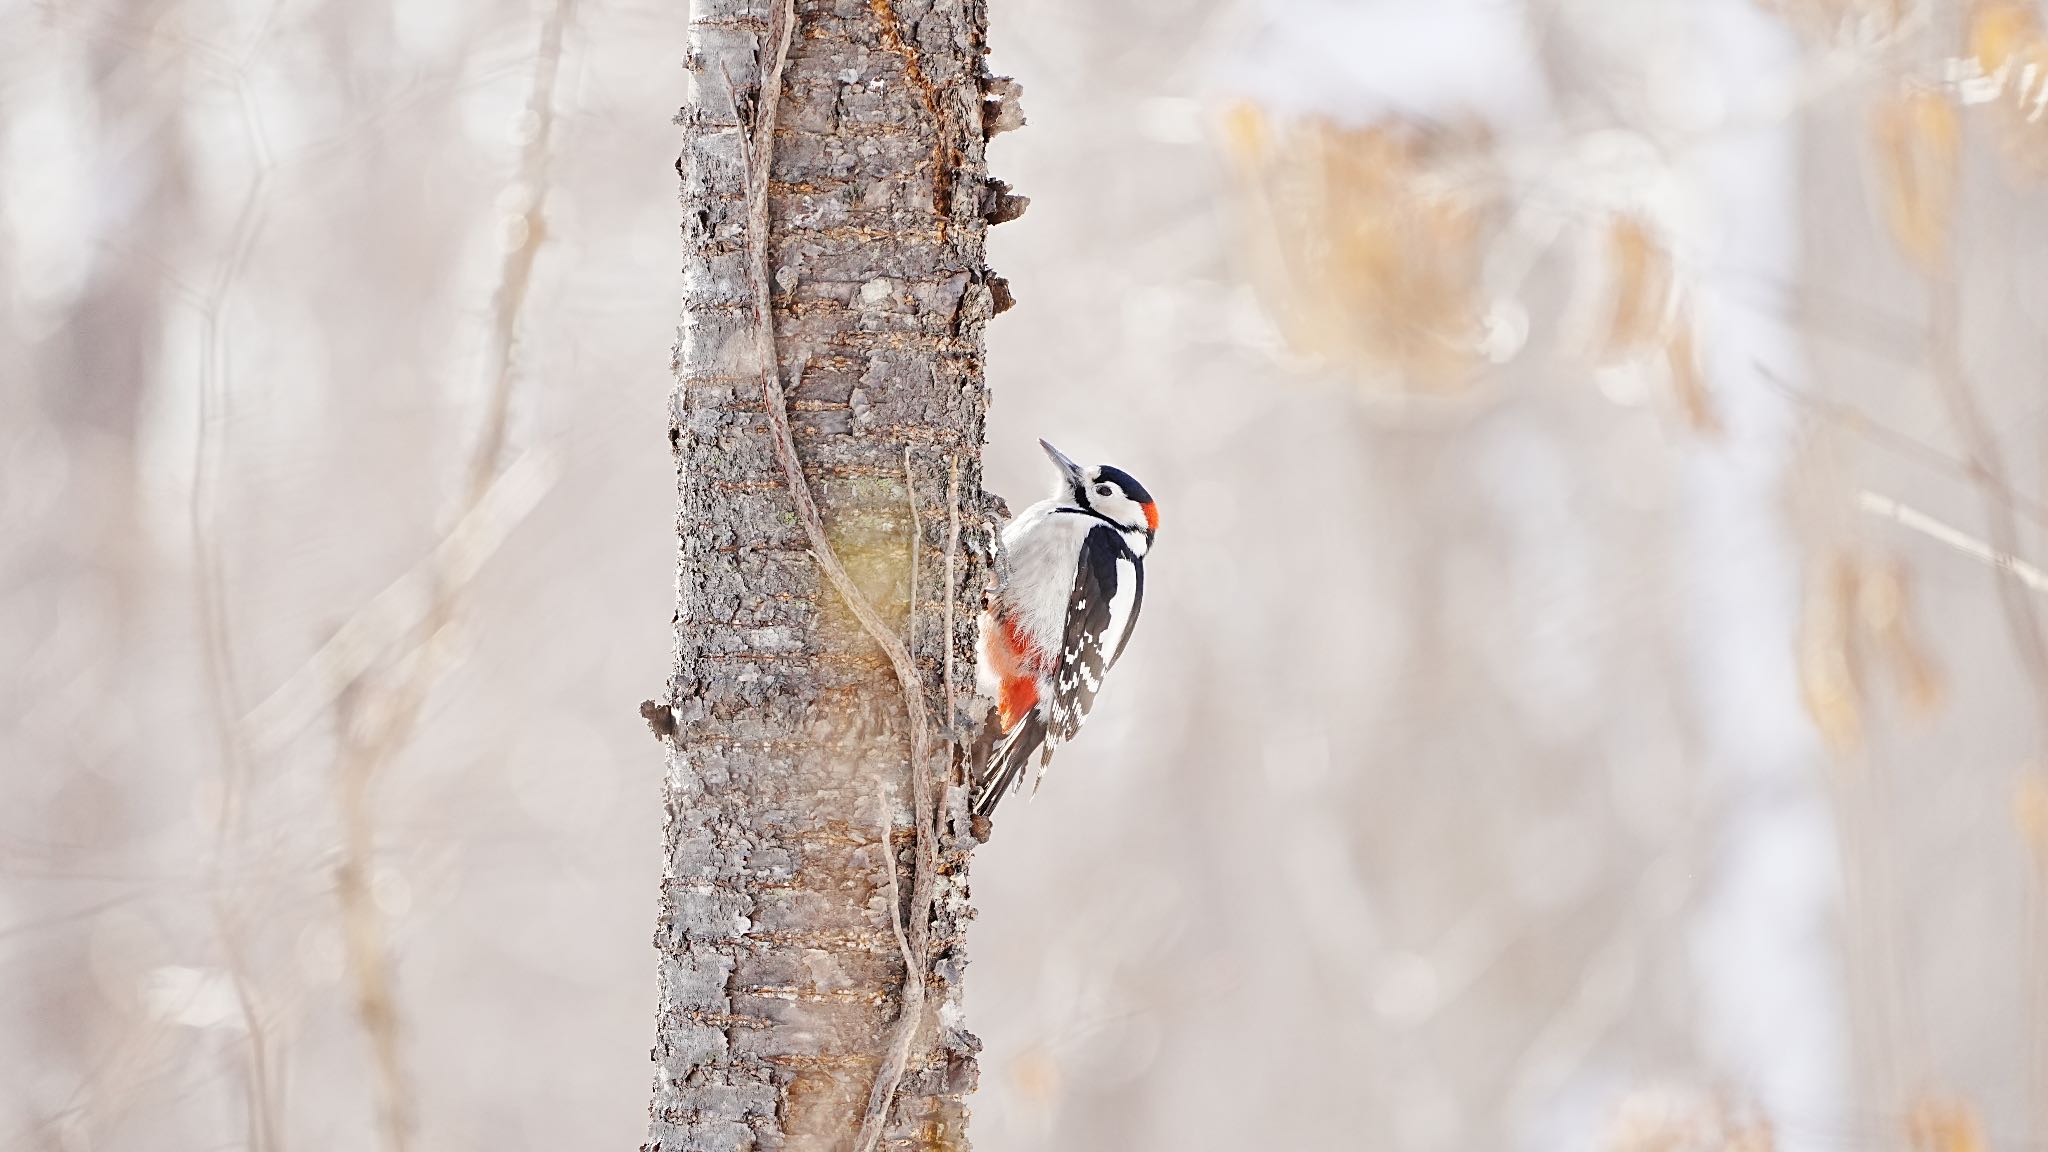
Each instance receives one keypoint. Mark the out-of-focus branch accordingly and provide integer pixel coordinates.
(1941, 531)
(223, 684)
(1986, 467)
(376, 726)
(524, 233)
(1566, 1039)
(1862, 425)
(1923, 210)
(401, 608)
(362, 927)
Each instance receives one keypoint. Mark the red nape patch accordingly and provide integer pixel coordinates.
(1151, 517)
(1020, 696)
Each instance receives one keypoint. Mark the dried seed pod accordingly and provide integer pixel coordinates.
(1835, 24)
(1830, 681)
(1639, 268)
(1884, 608)
(1918, 141)
(1680, 1118)
(2007, 47)
(1688, 384)
(1944, 1124)
(2002, 33)
(1367, 243)
(2030, 815)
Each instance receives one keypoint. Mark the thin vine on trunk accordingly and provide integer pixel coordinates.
(827, 426)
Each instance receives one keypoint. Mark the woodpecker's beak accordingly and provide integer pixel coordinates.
(1075, 475)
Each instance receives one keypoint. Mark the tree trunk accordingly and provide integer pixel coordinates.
(786, 1017)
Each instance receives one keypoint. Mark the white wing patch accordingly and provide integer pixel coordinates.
(1120, 604)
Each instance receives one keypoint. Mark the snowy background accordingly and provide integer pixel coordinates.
(1574, 707)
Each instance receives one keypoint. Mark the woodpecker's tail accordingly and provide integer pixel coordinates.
(1002, 757)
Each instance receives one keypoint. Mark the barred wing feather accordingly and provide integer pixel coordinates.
(1108, 591)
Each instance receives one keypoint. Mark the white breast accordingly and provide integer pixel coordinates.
(1044, 547)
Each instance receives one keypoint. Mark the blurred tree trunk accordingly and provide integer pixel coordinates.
(782, 970)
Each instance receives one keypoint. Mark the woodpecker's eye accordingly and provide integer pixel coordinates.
(1102, 489)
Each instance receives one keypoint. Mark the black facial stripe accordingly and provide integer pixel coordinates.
(1090, 512)
(1094, 515)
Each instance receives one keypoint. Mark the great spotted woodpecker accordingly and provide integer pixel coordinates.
(1061, 618)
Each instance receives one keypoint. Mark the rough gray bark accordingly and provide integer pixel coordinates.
(783, 964)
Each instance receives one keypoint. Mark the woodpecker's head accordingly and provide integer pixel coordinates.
(1107, 491)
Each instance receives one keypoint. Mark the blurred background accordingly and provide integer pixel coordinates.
(1592, 692)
